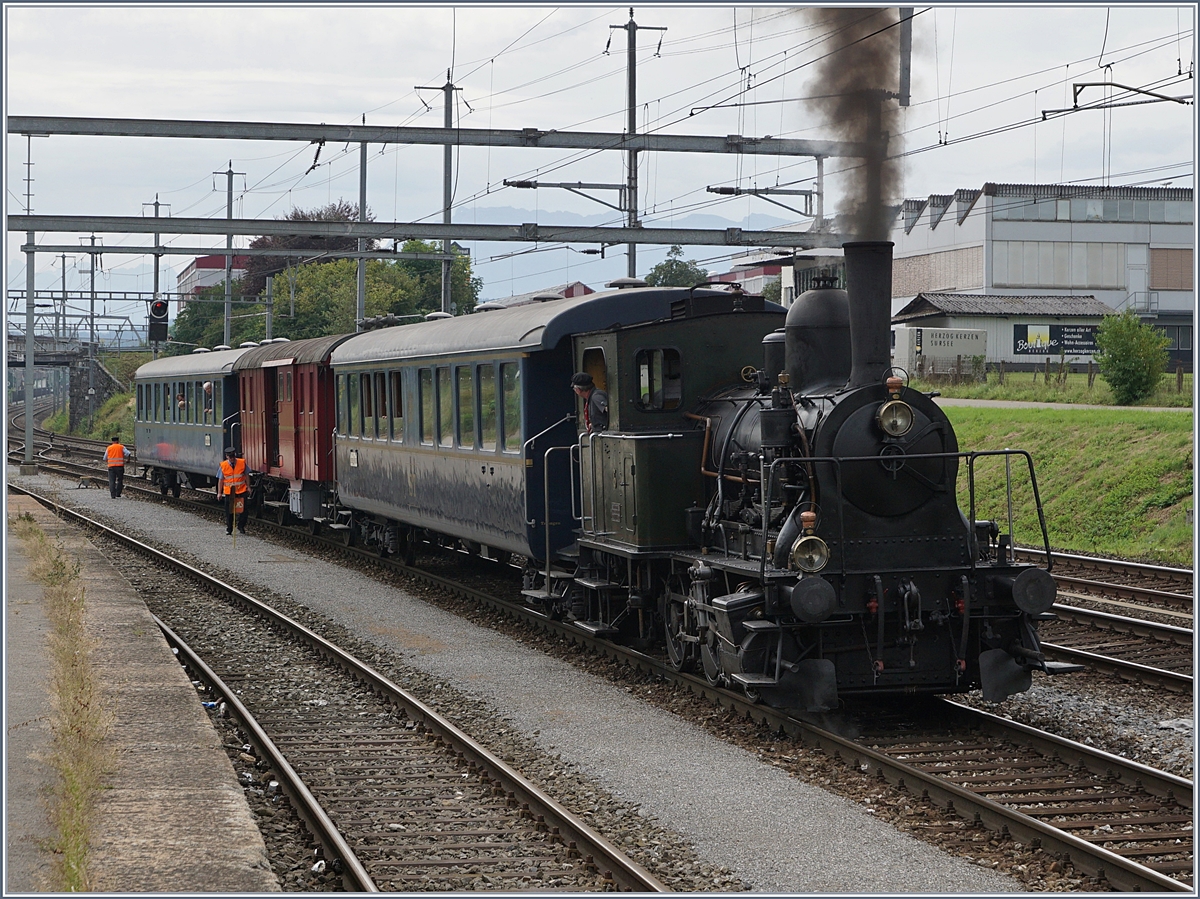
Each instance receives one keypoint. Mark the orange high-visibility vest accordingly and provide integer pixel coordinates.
(235, 476)
(115, 454)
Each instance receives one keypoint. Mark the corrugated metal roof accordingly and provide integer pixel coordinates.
(301, 352)
(530, 327)
(193, 364)
(1095, 191)
(925, 305)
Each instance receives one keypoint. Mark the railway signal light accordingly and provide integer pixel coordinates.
(158, 321)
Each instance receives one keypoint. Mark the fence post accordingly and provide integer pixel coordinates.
(1047, 371)
(1091, 373)
(1179, 377)
(1002, 372)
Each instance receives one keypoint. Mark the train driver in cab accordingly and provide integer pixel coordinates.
(595, 402)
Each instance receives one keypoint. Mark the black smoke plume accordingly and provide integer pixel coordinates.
(856, 80)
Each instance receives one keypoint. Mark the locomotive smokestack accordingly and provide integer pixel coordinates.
(869, 285)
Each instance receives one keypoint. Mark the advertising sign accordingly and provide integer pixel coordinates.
(1054, 340)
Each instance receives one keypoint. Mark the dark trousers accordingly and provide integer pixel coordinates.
(245, 513)
(116, 480)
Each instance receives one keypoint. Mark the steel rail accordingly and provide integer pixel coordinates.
(1172, 680)
(1031, 554)
(354, 875)
(1125, 591)
(609, 859)
(1168, 633)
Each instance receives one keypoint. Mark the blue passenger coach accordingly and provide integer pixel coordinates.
(445, 424)
(187, 413)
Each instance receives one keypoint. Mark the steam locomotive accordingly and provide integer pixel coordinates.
(771, 502)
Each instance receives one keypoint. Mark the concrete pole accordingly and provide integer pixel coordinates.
(157, 258)
(29, 352)
(270, 304)
(631, 180)
(228, 256)
(91, 394)
(362, 243)
(447, 159)
(631, 190)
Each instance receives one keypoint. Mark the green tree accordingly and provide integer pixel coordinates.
(326, 296)
(675, 271)
(259, 268)
(772, 290)
(1132, 356)
(202, 321)
(464, 286)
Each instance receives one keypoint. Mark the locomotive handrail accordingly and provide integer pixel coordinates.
(969, 457)
(1037, 498)
(546, 500)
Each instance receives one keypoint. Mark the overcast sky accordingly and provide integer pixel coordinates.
(982, 77)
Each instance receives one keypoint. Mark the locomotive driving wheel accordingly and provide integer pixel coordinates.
(679, 651)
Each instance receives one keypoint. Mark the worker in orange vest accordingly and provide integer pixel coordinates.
(232, 486)
(116, 454)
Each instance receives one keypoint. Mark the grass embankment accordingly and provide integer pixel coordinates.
(1112, 482)
(1032, 387)
(79, 755)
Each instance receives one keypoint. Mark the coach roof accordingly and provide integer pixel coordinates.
(193, 365)
(296, 352)
(529, 328)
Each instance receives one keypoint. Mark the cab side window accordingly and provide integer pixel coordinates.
(660, 384)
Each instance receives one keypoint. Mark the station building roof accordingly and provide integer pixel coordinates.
(930, 305)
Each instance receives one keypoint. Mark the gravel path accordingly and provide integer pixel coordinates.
(772, 831)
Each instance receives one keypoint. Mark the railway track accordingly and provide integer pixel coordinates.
(1033, 786)
(370, 766)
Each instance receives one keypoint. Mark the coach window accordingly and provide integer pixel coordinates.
(465, 384)
(355, 410)
(487, 407)
(368, 405)
(217, 402)
(381, 412)
(156, 410)
(342, 405)
(445, 407)
(425, 384)
(289, 386)
(397, 400)
(659, 384)
(189, 411)
(510, 378)
(138, 412)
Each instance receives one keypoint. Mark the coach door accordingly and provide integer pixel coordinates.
(271, 378)
(286, 430)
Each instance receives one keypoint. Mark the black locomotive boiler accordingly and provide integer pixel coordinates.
(796, 532)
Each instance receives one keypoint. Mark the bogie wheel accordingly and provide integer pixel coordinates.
(348, 536)
(176, 489)
(281, 515)
(163, 486)
(314, 527)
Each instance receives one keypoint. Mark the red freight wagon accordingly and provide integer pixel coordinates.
(287, 420)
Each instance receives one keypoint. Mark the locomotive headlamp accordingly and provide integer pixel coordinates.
(895, 417)
(810, 553)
